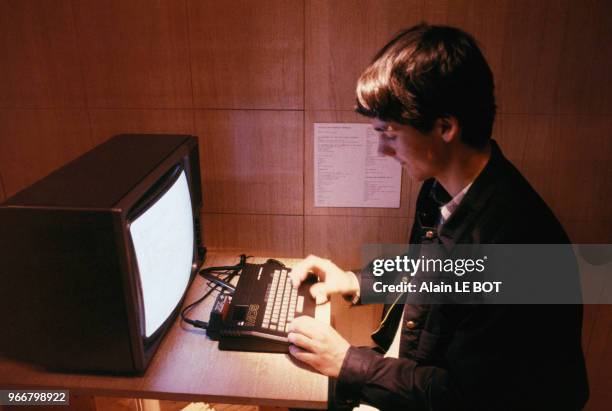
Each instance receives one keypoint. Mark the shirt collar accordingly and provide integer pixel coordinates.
(447, 209)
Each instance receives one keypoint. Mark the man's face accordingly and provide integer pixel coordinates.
(422, 155)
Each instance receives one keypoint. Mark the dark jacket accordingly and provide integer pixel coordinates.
(476, 357)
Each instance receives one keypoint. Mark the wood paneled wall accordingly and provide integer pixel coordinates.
(250, 79)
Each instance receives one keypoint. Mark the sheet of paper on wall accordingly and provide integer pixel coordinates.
(348, 170)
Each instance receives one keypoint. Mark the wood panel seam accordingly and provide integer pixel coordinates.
(243, 213)
(193, 107)
(190, 58)
(79, 48)
(304, 133)
(305, 215)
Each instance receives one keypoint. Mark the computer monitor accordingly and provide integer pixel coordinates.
(95, 259)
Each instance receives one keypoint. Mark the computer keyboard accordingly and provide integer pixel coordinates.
(262, 307)
(282, 302)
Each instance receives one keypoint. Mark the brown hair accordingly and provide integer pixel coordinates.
(430, 72)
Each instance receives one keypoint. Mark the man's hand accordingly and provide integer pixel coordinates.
(333, 280)
(318, 345)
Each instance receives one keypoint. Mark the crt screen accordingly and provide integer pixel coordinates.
(163, 238)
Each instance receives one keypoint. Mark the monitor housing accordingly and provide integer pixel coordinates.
(96, 257)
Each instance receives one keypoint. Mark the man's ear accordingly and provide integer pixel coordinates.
(448, 128)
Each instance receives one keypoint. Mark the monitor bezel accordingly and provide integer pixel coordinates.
(158, 189)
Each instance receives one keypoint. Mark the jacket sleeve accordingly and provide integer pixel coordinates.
(394, 383)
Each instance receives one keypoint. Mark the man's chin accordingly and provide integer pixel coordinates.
(420, 177)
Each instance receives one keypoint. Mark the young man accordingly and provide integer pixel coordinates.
(430, 95)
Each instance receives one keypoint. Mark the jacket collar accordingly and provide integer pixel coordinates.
(475, 200)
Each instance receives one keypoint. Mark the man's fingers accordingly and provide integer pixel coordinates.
(299, 272)
(302, 341)
(302, 355)
(312, 263)
(305, 325)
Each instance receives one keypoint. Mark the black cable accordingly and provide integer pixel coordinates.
(196, 323)
(219, 282)
(229, 271)
(237, 267)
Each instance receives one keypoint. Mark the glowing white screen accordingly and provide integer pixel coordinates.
(163, 240)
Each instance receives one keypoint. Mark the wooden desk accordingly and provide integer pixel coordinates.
(189, 367)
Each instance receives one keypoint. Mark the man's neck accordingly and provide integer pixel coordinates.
(463, 166)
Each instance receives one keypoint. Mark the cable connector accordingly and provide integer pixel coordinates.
(218, 315)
